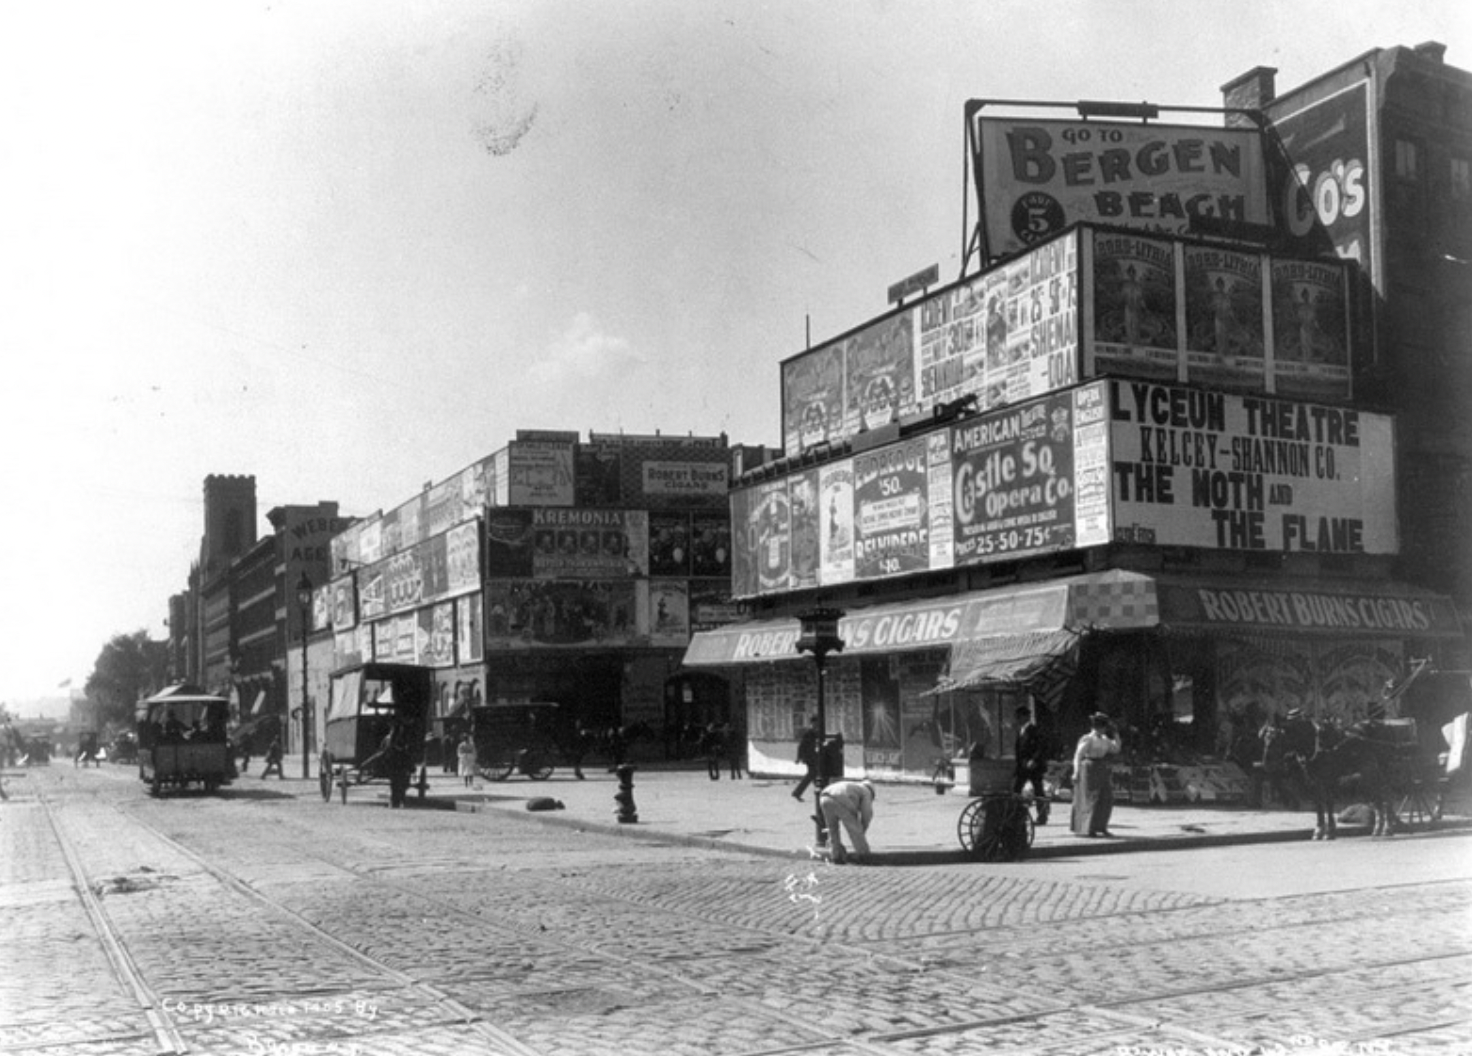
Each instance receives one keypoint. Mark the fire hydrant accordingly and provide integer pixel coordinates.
(627, 813)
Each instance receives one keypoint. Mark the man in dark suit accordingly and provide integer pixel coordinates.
(1032, 761)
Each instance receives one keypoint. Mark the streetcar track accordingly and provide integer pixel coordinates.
(166, 1034)
(397, 877)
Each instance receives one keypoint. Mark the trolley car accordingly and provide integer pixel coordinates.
(182, 740)
(377, 715)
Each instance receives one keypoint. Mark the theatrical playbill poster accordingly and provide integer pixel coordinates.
(1014, 481)
(836, 521)
(1036, 177)
(1134, 307)
(892, 510)
(1225, 322)
(802, 499)
(1310, 329)
(533, 613)
(558, 543)
(1224, 471)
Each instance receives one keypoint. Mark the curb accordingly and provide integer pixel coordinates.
(938, 856)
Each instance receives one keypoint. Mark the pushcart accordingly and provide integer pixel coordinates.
(996, 825)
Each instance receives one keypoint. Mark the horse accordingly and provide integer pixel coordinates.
(1326, 758)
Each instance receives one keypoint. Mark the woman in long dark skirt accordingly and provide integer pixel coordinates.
(1093, 790)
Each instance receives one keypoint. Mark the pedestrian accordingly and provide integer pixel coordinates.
(618, 748)
(578, 748)
(807, 755)
(1093, 789)
(465, 759)
(273, 759)
(712, 748)
(848, 805)
(735, 751)
(1032, 761)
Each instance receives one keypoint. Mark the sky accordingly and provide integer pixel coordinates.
(352, 247)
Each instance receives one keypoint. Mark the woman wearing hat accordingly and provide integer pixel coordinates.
(1093, 790)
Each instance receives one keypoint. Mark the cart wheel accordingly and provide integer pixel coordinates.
(1004, 831)
(324, 776)
(538, 766)
(500, 770)
(966, 825)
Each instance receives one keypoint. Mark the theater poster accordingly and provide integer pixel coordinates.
(892, 510)
(1225, 329)
(1134, 324)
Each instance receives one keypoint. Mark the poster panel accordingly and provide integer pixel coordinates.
(443, 507)
(802, 498)
(669, 544)
(1134, 324)
(812, 399)
(669, 612)
(1092, 509)
(710, 544)
(770, 528)
(712, 605)
(1014, 481)
(1035, 177)
(879, 363)
(344, 602)
(942, 506)
(1225, 338)
(892, 510)
(745, 582)
(469, 631)
(501, 478)
(1236, 472)
(372, 601)
(370, 541)
(547, 613)
(1310, 330)
(598, 469)
(510, 540)
(836, 523)
(541, 473)
(435, 642)
(462, 558)
(588, 543)
(475, 487)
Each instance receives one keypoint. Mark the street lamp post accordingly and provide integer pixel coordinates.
(304, 601)
(820, 637)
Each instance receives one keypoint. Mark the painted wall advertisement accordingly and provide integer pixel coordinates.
(1035, 177)
(1239, 472)
(879, 374)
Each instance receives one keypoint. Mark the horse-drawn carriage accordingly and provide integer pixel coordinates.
(1399, 768)
(182, 740)
(377, 715)
(515, 739)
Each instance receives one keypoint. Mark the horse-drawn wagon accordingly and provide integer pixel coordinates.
(377, 715)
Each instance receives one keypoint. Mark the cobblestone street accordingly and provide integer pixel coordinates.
(262, 921)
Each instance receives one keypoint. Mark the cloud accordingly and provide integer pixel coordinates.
(583, 354)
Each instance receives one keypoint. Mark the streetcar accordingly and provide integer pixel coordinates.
(182, 740)
(377, 715)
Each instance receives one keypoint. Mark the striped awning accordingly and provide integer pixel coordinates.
(1012, 659)
(1111, 600)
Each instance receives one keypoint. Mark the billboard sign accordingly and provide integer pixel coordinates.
(1224, 471)
(1036, 177)
(540, 473)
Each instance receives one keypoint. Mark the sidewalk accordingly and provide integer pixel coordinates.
(912, 824)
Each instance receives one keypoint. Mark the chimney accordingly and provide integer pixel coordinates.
(1253, 90)
(1432, 51)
